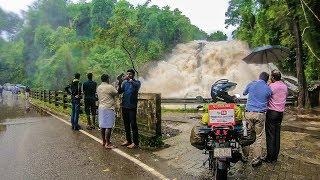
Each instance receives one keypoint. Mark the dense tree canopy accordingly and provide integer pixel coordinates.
(10, 23)
(59, 38)
(217, 36)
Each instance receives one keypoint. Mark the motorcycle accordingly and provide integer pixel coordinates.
(224, 132)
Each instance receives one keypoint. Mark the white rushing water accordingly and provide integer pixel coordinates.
(193, 67)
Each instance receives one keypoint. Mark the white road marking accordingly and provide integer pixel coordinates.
(118, 151)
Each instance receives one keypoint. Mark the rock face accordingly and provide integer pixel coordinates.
(193, 67)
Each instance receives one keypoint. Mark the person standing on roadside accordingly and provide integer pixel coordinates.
(107, 116)
(259, 94)
(74, 89)
(1, 91)
(130, 88)
(15, 91)
(27, 98)
(89, 91)
(276, 107)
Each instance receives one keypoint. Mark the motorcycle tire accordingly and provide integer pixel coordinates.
(220, 174)
(212, 162)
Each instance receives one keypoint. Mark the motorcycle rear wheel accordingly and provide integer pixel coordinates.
(212, 161)
(220, 174)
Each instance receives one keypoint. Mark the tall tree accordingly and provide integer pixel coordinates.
(124, 29)
(294, 23)
(101, 12)
(10, 23)
(217, 36)
(81, 20)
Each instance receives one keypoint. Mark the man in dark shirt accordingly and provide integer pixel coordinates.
(89, 91)
(74, 89)
(130, 88)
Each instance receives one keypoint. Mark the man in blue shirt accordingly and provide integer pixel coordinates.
(259, 94)
(15, 91)
(130, 88)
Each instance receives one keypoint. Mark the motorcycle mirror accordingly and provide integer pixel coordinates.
(200, 99)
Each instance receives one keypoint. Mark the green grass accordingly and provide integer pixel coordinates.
(163, 110)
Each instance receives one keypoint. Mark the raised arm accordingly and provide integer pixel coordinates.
(246, 91)
(120, 87)
(136, 84)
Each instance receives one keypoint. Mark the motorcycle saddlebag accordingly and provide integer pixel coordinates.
(197, 139)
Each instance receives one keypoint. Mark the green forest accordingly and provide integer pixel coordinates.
(56, 38)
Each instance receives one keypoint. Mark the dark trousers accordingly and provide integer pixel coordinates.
(90, 108)
(75, 110)
(273, 128)
(130, 123)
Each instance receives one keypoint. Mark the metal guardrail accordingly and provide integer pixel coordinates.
(290, 100)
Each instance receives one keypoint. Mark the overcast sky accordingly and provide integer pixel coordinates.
(208, 15)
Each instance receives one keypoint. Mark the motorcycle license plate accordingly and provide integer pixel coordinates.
(222, 152)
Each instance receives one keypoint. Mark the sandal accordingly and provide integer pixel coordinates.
(132, 146)
(125, 143)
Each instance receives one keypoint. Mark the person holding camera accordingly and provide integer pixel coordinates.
(89, 90)
(130, 88)
(74, 89)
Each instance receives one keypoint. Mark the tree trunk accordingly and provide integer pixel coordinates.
(294, 23)
(299, 64)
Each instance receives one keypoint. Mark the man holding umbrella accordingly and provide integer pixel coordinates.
(275, 111)
(258, 102)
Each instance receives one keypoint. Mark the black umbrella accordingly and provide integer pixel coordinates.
(267, 54)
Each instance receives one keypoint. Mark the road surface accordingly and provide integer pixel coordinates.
(35, 146)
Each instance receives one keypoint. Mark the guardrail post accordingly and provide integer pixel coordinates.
(64, 101)
(44, 95)
(158, 114)
(49, 96)
(56, 98)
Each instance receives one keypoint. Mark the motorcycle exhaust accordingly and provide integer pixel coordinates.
(244, 126)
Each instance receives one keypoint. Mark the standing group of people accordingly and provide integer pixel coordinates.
(264, 112)
(105, 94)
(15, 90)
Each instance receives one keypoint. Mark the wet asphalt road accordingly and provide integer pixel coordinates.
(35, 146)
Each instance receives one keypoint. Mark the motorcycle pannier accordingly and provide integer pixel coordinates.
(196, 138)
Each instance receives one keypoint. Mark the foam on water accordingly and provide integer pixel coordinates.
(193, 67)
